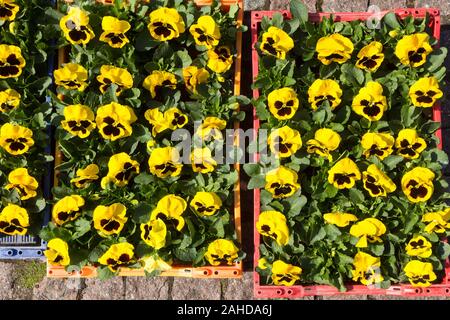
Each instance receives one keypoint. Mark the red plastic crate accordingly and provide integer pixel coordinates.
(266, 291)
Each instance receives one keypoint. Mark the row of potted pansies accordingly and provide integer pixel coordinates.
(134, 75)
(351, 189)
(24, 115)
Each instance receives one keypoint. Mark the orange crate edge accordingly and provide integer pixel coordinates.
(212, 272)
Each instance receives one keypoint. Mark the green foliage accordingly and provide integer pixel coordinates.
(324, 251)
(141, 57)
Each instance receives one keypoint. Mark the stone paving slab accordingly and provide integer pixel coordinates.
(388, 4)
(57, 289)
(344, 6)
(256, 5)
(284, 5)
(196, 289)
(157, 288)
(112, 289)
(239, 289)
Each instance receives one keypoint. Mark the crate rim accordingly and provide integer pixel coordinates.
(220, 272)
(296, 291)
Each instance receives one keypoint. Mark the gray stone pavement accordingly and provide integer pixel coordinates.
(136, 288)
(17, 282)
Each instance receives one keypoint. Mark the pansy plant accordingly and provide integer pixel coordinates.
(350, 173)
(24, 115)
(128, 195)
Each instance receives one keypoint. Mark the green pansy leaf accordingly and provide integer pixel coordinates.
(391, 20)
(296, 205)
(356, 195)
(82, 226)
(299, 10)
(103, 273)
(351, 75)
(443, 250)
(332, 231)
(252, 169)
(187, 254)
(321, 233)
(436, 59)
(392, 161)
(141, 213)
(256, 182)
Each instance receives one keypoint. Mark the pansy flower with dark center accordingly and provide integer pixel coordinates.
(376, 182)
(366, 269)
(171, 119)
(425, 92)
(324, 90)
(118, 255)
(206, 203)
(114, 32)
(193, 76)
(9, 100)
(334, 48)
(368, 230)
(158, 80)
(370, 56)
(114, 121)
(221, 252)
(202, 160)
(420, 274)
(325, 141)
(437, 221)
(15, 139)
(417, 184)
(165, 162)
(285, 274)
(8, 10)
(110, 220)
(408, 144)
(157, 120)
(273, 224)
(75, 26)
(113, 75)
(340, 219)
(165, 24)
(377, 144)
(276, 42)
(370, 102)
(57, 252)
(11, 61)
(284, 141)
(282, 182)
(85, 176)
(419, 246)
(283, 103)
(211, 128)
(170, 209)
(206, 32)
(78, 120)
(14, 220)
(344, 174)
(220, 59)
(71, 76)
(154, 233)
(121, 169)
(67, 209)
(20, 180)
(413, 49)
(175, 118)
